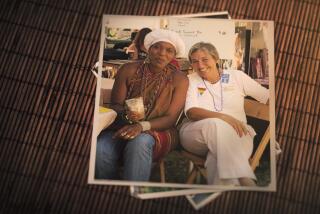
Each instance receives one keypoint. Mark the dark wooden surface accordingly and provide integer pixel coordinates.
(47, 98)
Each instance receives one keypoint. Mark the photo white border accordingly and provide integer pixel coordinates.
(204, 202)
(135, 192)
(204, 15)
(270, 187)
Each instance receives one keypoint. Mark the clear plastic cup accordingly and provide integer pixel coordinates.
(136, 105)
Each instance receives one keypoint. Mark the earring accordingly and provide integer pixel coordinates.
(147, 60)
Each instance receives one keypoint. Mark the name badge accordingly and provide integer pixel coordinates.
(225, 78)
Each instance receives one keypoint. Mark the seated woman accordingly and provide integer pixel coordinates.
(217, 125)
(137, 49)
(163, 89)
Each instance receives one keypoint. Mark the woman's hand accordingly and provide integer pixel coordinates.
(134, 116)
(238, 126)
(196, 114)
(128, 132)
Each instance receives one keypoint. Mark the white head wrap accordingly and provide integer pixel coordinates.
(162, 35)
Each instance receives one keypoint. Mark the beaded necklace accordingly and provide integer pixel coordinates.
(221, 95)
(146, 76)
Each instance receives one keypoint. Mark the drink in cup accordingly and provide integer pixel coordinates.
(136, 105)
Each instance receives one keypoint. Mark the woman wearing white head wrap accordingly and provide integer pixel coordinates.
(163, 89)
(170, 37)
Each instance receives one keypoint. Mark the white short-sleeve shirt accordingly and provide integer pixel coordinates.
(225, 96)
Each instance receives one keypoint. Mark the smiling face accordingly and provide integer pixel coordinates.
(161, 54)
(204, 64)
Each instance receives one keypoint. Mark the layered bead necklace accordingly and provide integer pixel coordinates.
(211, 94)
(144, 79)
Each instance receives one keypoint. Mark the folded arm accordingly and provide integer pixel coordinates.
(196, 113)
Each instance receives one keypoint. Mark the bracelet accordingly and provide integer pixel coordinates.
(146, 125)
(125, 118)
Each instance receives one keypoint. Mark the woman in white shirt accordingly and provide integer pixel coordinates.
(217, 125)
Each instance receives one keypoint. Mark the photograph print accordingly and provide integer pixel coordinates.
(192, 106)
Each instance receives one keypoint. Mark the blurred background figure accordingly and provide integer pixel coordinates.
(137, 50)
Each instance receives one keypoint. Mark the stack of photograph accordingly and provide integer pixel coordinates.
(184, 106)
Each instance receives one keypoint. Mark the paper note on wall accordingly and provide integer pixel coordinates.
(216, 31)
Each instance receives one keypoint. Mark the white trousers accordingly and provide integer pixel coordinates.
(227, 153)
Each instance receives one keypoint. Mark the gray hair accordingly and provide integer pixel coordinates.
(204, 46)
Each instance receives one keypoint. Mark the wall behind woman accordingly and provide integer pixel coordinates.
(47, 99)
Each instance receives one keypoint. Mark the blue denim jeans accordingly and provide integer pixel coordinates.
(135, 154)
